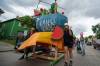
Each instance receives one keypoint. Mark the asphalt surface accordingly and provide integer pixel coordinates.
(10, 58)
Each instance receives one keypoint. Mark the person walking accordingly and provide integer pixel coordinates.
(68, 45)
(82, 44)
(78, 46)
(28, 49)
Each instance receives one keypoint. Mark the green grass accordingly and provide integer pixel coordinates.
(12, 42)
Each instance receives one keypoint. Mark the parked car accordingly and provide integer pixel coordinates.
(96, 44)
(89, 43)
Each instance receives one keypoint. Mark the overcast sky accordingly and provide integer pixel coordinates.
(82, 14)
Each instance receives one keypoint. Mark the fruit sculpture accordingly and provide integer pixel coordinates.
(50, 24)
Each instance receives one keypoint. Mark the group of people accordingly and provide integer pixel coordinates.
(69, 41)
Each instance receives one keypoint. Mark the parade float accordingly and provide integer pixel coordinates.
(50, 24)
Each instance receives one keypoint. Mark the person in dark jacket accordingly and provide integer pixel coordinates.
(19, 39)
(28, 49)
(68, 44)
(78, 46)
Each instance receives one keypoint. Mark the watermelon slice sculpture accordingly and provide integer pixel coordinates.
(57, 33)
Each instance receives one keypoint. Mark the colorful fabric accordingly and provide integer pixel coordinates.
(42, 37)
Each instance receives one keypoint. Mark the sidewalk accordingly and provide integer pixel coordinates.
(4, 47)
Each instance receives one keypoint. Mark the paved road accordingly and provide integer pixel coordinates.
(10, 58)
(92, 58)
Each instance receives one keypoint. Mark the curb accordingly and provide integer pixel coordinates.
(6, 51)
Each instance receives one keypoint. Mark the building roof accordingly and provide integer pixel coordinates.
(11, 19)
(8, 20)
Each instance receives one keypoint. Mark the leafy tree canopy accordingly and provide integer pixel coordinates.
(27, 20)
(96, 30)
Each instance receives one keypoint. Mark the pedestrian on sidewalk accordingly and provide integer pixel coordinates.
(82, 44)
(68, 45)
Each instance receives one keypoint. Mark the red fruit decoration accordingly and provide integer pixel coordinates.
(57, 33)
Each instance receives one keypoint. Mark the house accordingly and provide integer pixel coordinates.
(10, 28)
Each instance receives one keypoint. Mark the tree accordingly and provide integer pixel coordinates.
(1, 11)
(86, 39)
(0, 24)
(96, 30)
(27, 20)
(90, 36)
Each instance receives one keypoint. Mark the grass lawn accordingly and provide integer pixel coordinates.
(9, 41)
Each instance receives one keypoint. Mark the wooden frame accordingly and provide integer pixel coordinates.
(53, 59)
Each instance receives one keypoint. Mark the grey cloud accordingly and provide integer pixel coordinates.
(73, 5)
(93, 12)
(86, 7)
(7, 16)
(4, 5)
(26, 3)
(79, 28)
(48, 1)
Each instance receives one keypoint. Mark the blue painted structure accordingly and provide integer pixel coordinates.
(47, 22)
